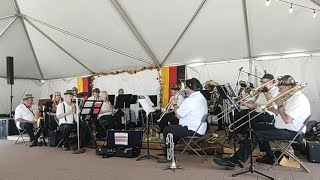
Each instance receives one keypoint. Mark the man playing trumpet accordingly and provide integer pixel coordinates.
(176, 99)
(290, 113)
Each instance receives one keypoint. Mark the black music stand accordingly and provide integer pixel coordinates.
(123, 101)
(227, 93)
(111, 99)
(148, 109)
(153, 103)
(92, 109)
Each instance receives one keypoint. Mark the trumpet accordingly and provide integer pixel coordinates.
(285, 96)
(169, 105)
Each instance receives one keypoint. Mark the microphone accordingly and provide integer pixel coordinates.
(265, 71)
(241, 69)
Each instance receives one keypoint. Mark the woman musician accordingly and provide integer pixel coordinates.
(105, 116)
(169, 118)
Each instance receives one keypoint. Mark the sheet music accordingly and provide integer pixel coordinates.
(147, 98)
(145, 105)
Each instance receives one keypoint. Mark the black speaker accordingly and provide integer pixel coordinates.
(10, 73)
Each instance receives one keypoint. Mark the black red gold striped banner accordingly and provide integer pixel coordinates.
(84, 85)
(170, 76)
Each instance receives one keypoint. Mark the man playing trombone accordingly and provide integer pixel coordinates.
(266, 91)
(169, 116)
(292, 109)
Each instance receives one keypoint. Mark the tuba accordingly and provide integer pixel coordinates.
(285, 96)
(169, 105)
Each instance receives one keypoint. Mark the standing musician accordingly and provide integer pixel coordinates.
(290, 115)
(25, 118)
(56, 99)
(66, 114)
(190, 114)
(268, 92)
(177, 98)
(95, 94)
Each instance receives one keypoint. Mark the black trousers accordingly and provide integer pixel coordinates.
(65, 131)
(29, 129)
(262, 139)
(170, 117)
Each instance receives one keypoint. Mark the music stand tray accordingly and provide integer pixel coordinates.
(148, 109)
(92, 109)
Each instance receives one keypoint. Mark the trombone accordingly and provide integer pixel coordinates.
(169, 105)
(269, 104)
(251, 94)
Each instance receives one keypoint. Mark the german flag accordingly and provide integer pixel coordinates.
(84, 85)
(170, 76)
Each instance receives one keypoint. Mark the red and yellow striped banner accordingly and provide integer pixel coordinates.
(84, 85)
(170, 76)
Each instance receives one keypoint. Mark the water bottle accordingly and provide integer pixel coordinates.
(291, 152)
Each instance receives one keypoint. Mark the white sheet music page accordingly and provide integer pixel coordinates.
(146, 107)
(147, 98)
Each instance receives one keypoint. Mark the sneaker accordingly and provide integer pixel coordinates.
(266, 160)
(65, 148)
(225, 163)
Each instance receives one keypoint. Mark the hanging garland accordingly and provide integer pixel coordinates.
(159, 78)
(124, 71)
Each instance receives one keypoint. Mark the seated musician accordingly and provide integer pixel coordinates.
(56, 99)
(177, 98)
(106, 111)
(95, 94)
(290, 115)
(75, 92)
(267, 92)
(190, 114)
(24, 118)
(66, 114)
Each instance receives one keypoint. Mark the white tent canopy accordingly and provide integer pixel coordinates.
(55, 38)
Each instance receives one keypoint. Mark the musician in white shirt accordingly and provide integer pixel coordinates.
(176, 97)
(106, 112)
(95, 94)
(66, 114)
(24, 118)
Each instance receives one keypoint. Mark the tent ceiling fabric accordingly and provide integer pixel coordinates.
(282, 32)
(216, 33)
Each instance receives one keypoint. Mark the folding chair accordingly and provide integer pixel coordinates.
(298, 138)
(194, 140)
(21, 132)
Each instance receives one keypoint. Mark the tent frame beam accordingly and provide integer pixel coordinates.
(135, 31)
(28, 37)
(59, 46)
(246, 26)
(86, 40)
(316, 2)
(184, 31)
(7, 27)
(5, 17)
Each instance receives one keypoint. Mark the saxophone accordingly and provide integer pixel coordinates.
(37, 116)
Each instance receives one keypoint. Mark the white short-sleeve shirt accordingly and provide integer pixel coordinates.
(262, 99)
(23, 112)
(69, 118)
(298, 108)
(192, 110)
(105, 106)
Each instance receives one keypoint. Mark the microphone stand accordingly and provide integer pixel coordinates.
(78, 150)
(250, 74)
(237, 83)
(251, 168)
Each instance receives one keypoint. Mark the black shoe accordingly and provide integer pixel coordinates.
(266, 160)
(65, 148)
(34, 143)
(225, 163)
